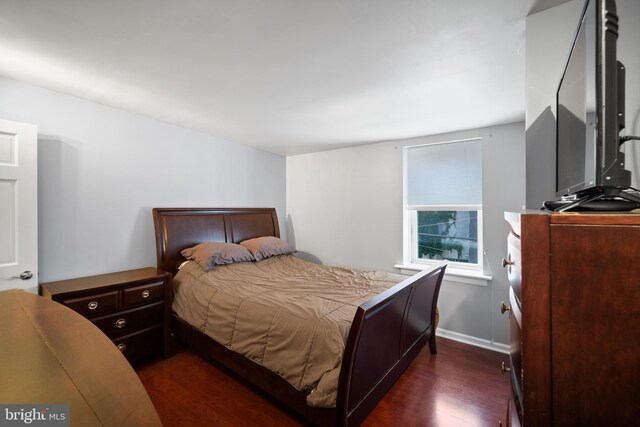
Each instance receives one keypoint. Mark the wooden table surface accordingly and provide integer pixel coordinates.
(50, 354)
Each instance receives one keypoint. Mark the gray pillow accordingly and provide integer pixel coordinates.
(210, 254)
(268, 246)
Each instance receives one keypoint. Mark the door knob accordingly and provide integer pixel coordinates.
(25, 275)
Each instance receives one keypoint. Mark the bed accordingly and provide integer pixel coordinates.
(386, 334)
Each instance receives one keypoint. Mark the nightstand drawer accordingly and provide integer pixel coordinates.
(141, 344)
(130, 321)
(144, 293)
(94, 304)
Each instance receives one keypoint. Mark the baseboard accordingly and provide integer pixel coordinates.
(477, 342)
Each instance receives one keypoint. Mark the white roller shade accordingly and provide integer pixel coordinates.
(445, 174)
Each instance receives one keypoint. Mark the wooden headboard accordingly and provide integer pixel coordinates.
(180, 228)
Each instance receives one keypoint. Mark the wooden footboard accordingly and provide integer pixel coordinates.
(387, 333)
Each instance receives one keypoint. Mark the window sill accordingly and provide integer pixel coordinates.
(451, 274)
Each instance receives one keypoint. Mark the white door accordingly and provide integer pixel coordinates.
(18, 206)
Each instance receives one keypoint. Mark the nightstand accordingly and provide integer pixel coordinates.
(133, 308)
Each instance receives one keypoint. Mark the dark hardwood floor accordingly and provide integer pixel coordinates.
(460, 386)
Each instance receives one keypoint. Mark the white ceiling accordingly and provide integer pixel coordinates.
(286, 76)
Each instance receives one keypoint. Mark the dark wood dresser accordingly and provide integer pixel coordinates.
(132, 308)
(574, 308)
(53, 356)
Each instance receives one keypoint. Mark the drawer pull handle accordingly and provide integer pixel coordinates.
(120, 323)
(93, 305)
(507, 262)
(122, 347)
(145, 293)
(504, 368)
(504, 307)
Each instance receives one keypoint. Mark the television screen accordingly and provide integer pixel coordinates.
(577, 127)
(588, 156)
(590, 168)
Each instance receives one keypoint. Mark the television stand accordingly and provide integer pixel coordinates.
(601, 199)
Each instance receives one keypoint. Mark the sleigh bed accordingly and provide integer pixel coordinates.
(386, 334)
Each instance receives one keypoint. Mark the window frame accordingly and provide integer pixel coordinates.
(410, 246)
(412, 213)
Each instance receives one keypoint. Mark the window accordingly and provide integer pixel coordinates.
(443, 204)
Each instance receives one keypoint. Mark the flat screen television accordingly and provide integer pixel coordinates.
(590, 116)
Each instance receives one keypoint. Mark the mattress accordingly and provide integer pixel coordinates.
(288, 315)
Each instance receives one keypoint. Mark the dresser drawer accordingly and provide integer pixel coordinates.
(514, 268)
(141, 344)
(515, 348)
(148, 292)
(130, 321)
(94, 304)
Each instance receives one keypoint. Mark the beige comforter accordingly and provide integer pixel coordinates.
(289, 315)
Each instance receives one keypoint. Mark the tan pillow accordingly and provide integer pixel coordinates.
(268, 246)
(210, 254)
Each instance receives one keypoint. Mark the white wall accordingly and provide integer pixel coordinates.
(549, 35)
(344, 207)
(101, 170)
